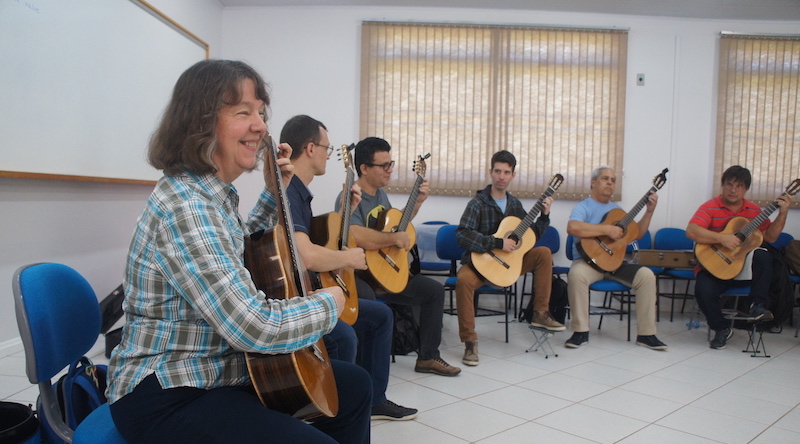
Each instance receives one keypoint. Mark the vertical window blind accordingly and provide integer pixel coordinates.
(555, 98)
(758, 117)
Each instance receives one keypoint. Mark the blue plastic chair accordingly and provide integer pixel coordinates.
(429, 261)
(447, 248)
(59, 321)
(610, 289)
(675, 239)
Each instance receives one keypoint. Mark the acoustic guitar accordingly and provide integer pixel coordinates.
(607, 254)
(725, 263)
(388, 266)
(332, 231)
(301, 383)
(502, 268)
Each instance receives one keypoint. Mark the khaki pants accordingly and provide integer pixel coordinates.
(539, 260)
(581, 275)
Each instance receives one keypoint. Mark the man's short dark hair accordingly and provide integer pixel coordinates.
(504, 156)
(737, 173)
(365, 151)
(299, 131)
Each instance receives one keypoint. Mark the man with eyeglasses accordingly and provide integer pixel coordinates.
(706, 227)
(311, 149)
(374, 166)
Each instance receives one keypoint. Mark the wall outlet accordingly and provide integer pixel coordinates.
(639, 79)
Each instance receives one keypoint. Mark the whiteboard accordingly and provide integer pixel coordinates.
(83, 84)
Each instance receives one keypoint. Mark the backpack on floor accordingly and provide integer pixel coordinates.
(558, 302)
(405, 335)
(80, 391)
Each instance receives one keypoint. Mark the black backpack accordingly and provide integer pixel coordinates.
(558, 302)
(405, 335)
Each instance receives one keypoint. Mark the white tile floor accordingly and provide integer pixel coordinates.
(608, 391)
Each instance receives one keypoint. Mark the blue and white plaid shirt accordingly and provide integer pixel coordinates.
(190, 304)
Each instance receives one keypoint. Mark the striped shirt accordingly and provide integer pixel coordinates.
(191, 307)
(714, 215)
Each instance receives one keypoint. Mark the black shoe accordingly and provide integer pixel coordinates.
(650, 342)
(759, 313)
(393, 412)
(720, 339)
(578, 338)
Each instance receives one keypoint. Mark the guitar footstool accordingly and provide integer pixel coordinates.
(755, 335)
(542, 336)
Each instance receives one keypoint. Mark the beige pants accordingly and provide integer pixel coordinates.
(581, 275)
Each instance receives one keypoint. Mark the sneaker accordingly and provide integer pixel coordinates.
(720, 339)
(393, 412)
(759, 313)
(543, 319)
(578, 338)
(436, 366)
(650, 342)
(470, 353)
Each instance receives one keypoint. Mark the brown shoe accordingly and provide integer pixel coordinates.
(543, 319)
(470, 353)
(436, 366)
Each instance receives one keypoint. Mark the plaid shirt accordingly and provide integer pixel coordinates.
(191, 307)
(481, 219)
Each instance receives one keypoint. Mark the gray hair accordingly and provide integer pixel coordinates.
(596, 171)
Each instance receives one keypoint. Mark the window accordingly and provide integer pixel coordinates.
(553, 97)
(758, 115)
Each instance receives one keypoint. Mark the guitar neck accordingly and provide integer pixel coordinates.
(753, 225)
(636, 208)
(344, 233)
(533, 213)
(409, 209)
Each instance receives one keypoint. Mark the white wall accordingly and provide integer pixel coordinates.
(311, 58)
(84, 225)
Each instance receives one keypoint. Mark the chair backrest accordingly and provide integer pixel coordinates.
(426, 245)
(59, 319)
(570, 242)
(447, 245)
(672, 239)
(645, 243)
(550, 239)
(782, 241)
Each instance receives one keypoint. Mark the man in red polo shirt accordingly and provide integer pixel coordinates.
(706, 227)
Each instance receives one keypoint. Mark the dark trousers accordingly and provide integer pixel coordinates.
(428, 294)
(374, 327)
(151, 414)
(709, 288)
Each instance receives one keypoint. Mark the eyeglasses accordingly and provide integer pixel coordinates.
(330, 148)
(386, 166)
(738, 186)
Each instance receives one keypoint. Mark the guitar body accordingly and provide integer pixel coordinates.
(325, 231)
(389, 266)
(604, 253)
(725, 263)
(299, 383)
(503, 268)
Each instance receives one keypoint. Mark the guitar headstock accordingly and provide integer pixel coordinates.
(661, 179)
(556, 181)
(793, 187)
(419, 165)
(344, 154)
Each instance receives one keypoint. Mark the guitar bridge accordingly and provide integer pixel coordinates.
(499, 260)
(390, 261)
(721, 255)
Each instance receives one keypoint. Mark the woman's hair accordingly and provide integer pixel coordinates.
(186, 136)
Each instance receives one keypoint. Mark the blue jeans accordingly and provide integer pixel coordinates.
(153, 415)
(708, 289)
(429, 295)
(374, 326)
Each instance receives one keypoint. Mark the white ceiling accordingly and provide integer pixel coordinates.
(706, 9)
